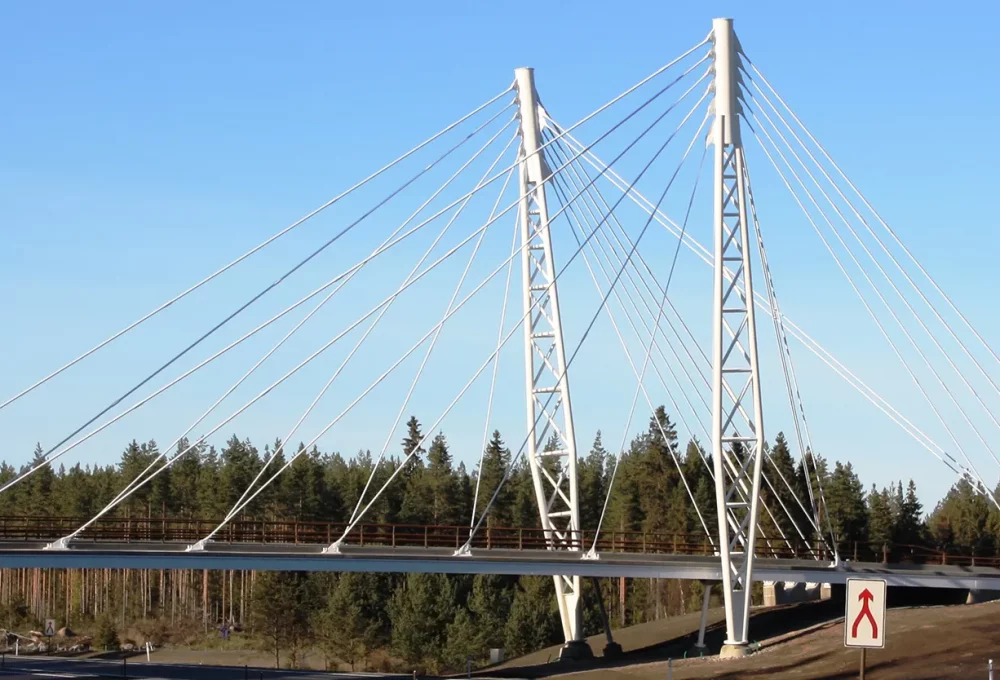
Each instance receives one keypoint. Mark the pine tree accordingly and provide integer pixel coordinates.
(910, 525)
(962, 521)
(463, 642)
(490, 602)
(590, 475)
(281, 611)
(881, 523)
(789, 510)
(37, 489)
(496, 461)
(533, 620)
(344, 633)
(442, 484)
(413, 438)
(107, 634)
(239, 464)
(658, 476)
(421, 609)
(846, 502)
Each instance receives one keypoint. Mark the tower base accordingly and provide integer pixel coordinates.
(734, 651)
(612, 650)
(576, 650)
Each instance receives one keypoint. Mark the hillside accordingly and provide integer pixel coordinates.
(922, 643)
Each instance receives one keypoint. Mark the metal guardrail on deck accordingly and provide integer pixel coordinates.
(37, 528)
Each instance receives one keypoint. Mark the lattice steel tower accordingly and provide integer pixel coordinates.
(550, 416)
(736, 400)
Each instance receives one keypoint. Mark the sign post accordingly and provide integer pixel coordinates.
(864, 619)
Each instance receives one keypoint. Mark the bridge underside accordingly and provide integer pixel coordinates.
(493, 561)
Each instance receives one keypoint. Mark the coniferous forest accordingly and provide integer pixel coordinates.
(429, 621)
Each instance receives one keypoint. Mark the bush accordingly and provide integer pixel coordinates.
(107, 634)
(152, 630)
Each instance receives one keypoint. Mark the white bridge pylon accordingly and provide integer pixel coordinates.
(735, 374)
(549, 413)
(736, 392)
(720, 386)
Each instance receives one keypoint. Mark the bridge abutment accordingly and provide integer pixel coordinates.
(791, 592)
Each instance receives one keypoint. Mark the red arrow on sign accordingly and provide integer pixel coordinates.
(866, 597)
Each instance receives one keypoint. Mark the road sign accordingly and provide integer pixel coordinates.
(50, 627)
(864, 622)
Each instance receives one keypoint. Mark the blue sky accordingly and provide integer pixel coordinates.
(143, 145)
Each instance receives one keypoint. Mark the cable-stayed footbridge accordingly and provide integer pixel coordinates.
(546, 178)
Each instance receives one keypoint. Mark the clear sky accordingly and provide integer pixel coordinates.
(142, 145)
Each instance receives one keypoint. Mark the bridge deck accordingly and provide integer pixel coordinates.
(292, 557)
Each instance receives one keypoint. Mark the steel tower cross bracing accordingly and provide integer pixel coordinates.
(737, 455)
(549, 412)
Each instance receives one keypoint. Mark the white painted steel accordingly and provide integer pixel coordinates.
(553, 472)
(735, 378)
(276, 557)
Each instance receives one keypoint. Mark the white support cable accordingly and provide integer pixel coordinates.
(329, 344)
(475, 528)
(495, 177)
(895, 238)
(430, 348)
(628, 354)
(552, 174)
(647, 102)
(888, 279)
(681, 98)
(433, 333)
(703, 459)
(576, 180)
(673, 329)
(446, 208)
(795, 403)
(649, 309)
(386, 308)
(496, 367)
(253, 250)
(640, 375)
(46, 456)
(335, 546)
(874, 398)
(797, 332)
(692, 244)
(656, 369)
(857, 291)
(340, 281)
(705, 403)
(350, 275)
(589, 221)
(510, 467)
(881, 297)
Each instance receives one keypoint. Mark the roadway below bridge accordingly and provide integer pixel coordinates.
(292, 557)
(55, 667)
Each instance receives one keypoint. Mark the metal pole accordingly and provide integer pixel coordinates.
(546, 381)
(704, 617)
(670, 669)
(864, 659)
(737, 445)
(991, 669)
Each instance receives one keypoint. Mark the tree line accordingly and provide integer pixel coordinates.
(433, 621)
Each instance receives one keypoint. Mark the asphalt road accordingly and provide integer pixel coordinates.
(36, 667)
